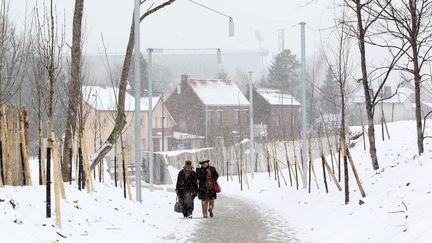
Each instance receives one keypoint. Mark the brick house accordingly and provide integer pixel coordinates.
(213, 108)
(277, 112)
(100, 110)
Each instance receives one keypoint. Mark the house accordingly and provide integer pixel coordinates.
(277, 113)
(213, 108)
(394, 107)
(100, 111)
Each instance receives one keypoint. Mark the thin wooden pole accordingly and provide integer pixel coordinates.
(356, 176)
(24, 154)
(331, 173)
(48, 183)
(126, 173)
(324, 173)
(115, 165)
(346, 178)
(70, 166)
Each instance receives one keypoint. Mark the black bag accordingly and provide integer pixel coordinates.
(178, 207)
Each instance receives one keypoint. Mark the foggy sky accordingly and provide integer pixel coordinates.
(186, 25)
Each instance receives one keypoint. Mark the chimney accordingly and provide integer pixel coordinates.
(184, 79)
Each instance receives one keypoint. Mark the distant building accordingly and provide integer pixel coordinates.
(100, 111)
(211, 108)
(394, 107)
(276, 114)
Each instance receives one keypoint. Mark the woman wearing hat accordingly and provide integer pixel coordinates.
(187, 188)
(207, 175)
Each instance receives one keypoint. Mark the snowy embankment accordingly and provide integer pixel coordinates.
(100, 216)
(397, 207)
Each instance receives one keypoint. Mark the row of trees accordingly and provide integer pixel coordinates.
(38, 57)
(400, 29)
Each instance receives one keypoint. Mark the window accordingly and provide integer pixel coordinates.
(209, 118)
(236, 117)
(219, 118)
(246, 116)
(278, 121)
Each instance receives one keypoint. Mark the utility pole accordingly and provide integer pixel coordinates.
(137, 101)
(303, 106)
(150, 117)
(251, 138)
(163, 121)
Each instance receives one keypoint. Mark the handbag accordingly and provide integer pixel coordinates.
(178, 206)
(216, 187)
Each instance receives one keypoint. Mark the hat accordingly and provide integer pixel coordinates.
(202, 161)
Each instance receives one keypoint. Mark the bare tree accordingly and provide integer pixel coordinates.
(49, 46)
(338, 60)
(120, 121)
(410, 21)
(74, 87)
(14, 54)
(362, 27)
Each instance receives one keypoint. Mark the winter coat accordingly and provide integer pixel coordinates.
(186, 184)
(204, 192)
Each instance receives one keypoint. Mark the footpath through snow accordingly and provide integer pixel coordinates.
(397, 207)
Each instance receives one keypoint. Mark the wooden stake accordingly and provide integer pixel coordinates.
(56, 171)
(48, 184)
(126, 173)
(354, 170)
(86, 165)
(25, 160)
(115, 164)
(331, 173)
(42, 157)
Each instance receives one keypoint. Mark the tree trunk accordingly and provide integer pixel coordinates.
(416, 72)
(366, 88)
(74, 87)
(120, 120)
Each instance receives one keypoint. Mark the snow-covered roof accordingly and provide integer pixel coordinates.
(104, 99)
(402, 96)
(217, 92)
(276, 97)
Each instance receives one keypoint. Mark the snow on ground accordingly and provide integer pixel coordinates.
(396, 208)
(100, 216)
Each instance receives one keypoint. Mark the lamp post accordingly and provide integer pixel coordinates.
(137, 127)
(150, 117)
(251, 138)
(230, 19)
(304, 121)
(163, 122)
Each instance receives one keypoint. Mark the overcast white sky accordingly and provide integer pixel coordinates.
(186, 25)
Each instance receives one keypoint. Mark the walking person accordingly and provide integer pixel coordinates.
(207, 176)
(187, 188)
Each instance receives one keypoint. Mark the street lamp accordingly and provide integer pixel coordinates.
(230, 19)
(251, 132)
(137, 75)
(150, 117)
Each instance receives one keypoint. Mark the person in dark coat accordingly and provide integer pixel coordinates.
(207, 175)
(187, 188)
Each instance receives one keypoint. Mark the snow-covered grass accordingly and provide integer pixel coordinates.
(100, 216)
(396, 208)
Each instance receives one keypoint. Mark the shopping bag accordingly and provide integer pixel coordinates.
(216, 187)
(178, 207)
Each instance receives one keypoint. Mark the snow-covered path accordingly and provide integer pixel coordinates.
(237, 220)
